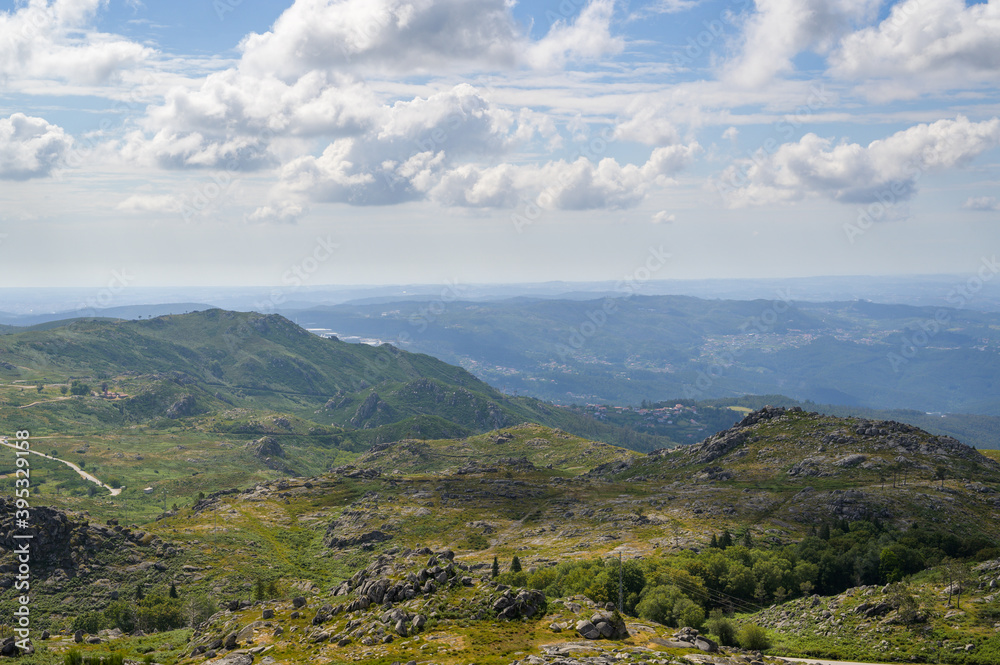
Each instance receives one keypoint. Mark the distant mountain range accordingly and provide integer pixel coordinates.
(219, 371)
(629, 349)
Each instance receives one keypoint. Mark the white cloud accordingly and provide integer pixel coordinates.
(663, 217)
(54, 40)
(781, 29)
(731, 134)
(233, 118)
(30, 147)
(383, 35)
(577, 185)
(588, 37)
(647, 121)
(925, 37)
(849, 172)
(150, 203)
(982, 204)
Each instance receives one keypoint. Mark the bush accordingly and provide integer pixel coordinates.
(722, 628)
(753, 638)
(199, 608)
(121, 615)
(90, 622)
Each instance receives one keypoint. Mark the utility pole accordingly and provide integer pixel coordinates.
(621, 578)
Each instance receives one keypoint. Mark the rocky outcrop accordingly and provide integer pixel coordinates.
(603, 625)
(265, 447)
(183, 407)
(525, 603)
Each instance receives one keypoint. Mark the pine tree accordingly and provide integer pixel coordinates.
(715, 542)
(824, 531)
(515, 565)
(173, 590)
(726, 540)
(495, 571)
(138, 592)
(747, 539)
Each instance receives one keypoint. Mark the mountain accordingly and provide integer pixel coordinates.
(840, 536)
(630, 348)
(219, 371)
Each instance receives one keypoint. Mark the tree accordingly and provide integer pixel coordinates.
(173, 590)
(753, 638)
(139, 595)
(726, 539)
(63, 389)
(515, 565)
(40, 386)
(747, 539)
(79, 388)
(722, 628)
(957, 575)
(104, 387)
(940, 473)
(715, 542)
(495, 570)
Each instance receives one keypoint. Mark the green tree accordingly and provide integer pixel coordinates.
(940, 473)
(199, 608)
(722, 628)
(79, 388)
(515, 565)
(495, 569)
(726, 539)
(753, 638)
(90, 622)
(39, 386)
(173, 590)
(121, 615)
(63, 389)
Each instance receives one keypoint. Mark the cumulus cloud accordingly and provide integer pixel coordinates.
(54, 40)
(647, 121)
(849, 172)
(302, 80)
(781, 29)
(923, 37)
(588, 37)
(232, 118)
(982, 204)
(383, 35)
(413, 36)
(30, 147)
(663, 217)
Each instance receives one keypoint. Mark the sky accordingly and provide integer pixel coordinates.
(250, 142)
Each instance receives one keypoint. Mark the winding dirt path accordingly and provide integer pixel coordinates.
(115, 491)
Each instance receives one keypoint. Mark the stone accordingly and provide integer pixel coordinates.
(78, 636)
(267, 614)
(298, 602)
(588, 630)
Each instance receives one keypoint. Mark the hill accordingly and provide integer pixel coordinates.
(155, 401)
(627, 349)
(389, 558)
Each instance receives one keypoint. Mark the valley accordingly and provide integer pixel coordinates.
(272, 511)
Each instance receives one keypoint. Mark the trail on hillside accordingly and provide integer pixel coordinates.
(115, 491)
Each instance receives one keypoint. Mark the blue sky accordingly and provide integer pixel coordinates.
(223, 142)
